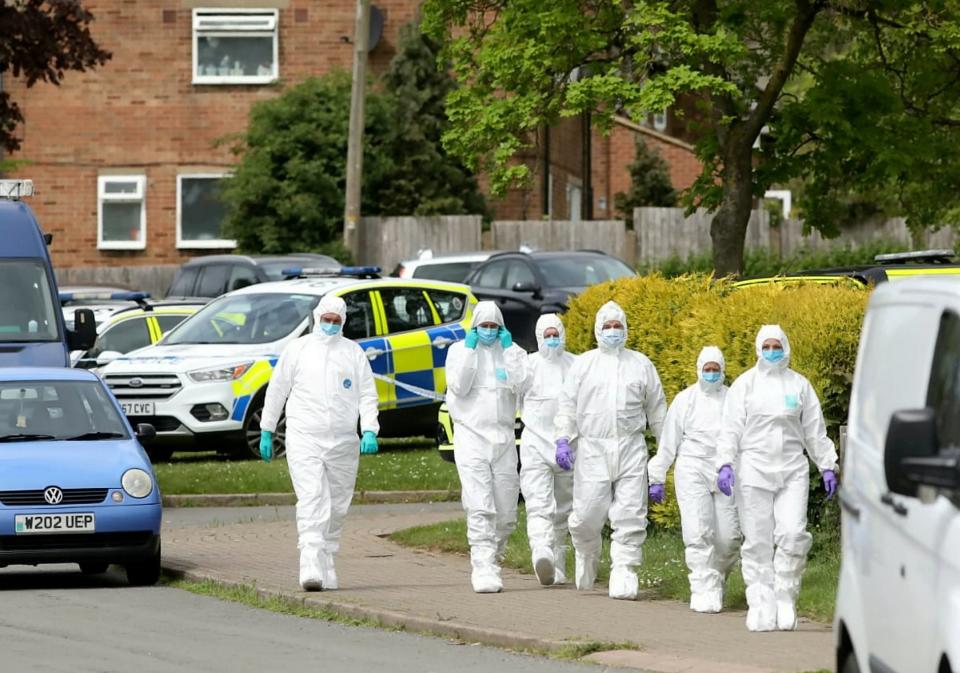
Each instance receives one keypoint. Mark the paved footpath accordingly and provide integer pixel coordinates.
(430, 592)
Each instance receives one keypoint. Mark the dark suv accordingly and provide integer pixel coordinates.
(526, 285)
(214, 275)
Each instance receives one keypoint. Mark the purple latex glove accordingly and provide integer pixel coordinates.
(830, 483)
(657, 494)
(725, 480)
(564, 454)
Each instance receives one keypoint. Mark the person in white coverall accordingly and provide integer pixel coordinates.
(610, 396)
(326, 384)
(708, 519)
(547, 489)
(770, 416)
(485, 374)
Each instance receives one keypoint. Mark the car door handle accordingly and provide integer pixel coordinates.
(373, 353)
(443, 342)
(846, 502)
(898, 508)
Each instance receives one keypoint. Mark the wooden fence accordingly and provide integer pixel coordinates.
(609, 236)
(386, 241)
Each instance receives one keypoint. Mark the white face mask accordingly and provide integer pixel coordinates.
(612, 336)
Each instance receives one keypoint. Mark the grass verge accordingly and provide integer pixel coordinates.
(390, 470)
(663, 571)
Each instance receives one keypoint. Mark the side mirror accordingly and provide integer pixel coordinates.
(106, 357)
(145, 432)
(912, 434)
(526, 286)
(84, 333)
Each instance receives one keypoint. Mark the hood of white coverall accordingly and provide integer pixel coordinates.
(773, 332)
(486, 311)
(711, 354)
(329, 304)
(610, 311)
(545, 322)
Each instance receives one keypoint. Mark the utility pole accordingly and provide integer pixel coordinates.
(351, 213)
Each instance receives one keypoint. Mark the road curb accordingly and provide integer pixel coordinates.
(282, 499)
(388, 618)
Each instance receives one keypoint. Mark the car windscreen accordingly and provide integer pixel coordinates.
(63, 410)
(245, 319)
(274, 270)
(451, 272)
(577, 271)
(27, 309)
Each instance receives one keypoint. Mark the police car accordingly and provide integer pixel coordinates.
(203, 385)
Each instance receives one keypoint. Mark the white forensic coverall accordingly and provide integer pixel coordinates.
(708, 518)
(609, 398)
(482, 389)
(547, 489)
(327, 385)
(770, 416)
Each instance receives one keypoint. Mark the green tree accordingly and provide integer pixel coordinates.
(425, 179)
(649, 182)
(854, 95)
(287, 192)
(39, 41)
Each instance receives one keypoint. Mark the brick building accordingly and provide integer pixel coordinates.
(123, 157)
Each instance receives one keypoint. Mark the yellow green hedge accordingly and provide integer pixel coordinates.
(670, 320)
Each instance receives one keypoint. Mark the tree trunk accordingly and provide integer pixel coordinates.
(729, 227)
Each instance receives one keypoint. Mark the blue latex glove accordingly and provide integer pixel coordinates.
(501, 374)
(725, 480)
(830, 483)
(471, 339)
(368, 443)
(564, 454)
(657, 494)
(506, 339)
(266, 445)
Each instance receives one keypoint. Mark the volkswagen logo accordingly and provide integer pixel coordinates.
(136, 382)
(53, 495)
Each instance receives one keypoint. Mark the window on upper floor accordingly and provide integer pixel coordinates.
(235, 46)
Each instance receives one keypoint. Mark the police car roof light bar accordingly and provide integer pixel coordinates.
(334, 271)
(140, 298)
(931, 256)
(15, 190)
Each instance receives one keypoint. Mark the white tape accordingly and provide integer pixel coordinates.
(416, 390)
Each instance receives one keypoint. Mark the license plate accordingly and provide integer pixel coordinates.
(72, 522)
(139, 408)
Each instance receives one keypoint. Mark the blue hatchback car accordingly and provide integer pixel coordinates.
(75, 484)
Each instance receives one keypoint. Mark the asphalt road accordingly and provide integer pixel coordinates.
(55, 619)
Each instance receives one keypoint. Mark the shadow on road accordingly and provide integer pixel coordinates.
(61, 576)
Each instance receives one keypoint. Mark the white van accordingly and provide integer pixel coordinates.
(898, 603)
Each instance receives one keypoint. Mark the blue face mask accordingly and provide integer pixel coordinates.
(772, 355)
(487, 335)
(612, 337)
(552, 342)
(329, 328)
(711, 377)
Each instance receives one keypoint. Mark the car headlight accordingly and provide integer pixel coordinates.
(230, 373)
(137, 483)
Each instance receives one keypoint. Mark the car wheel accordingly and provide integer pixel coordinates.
(159, 454)
(850, 664)
(251, 433)
(144, 573)
(93, 567)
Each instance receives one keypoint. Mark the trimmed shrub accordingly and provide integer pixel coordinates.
(670, 320)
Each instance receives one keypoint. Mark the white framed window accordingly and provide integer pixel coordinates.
(200, 212)
(660, 120)
(121, 212)
(235, 46)
(550, 196)
(574, 196)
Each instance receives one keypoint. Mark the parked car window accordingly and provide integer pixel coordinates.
(169, 321)
(62, 409)
(213, 280)
(450, 305)
(360, 321)
(518, 272)
(183, 284)
(451, 272)
(241, 276)
(491, 276)
(576, 271)
(245, 319)
(407, 309)
(122, 337)
(944, 391)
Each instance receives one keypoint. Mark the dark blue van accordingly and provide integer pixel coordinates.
(32, 330)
